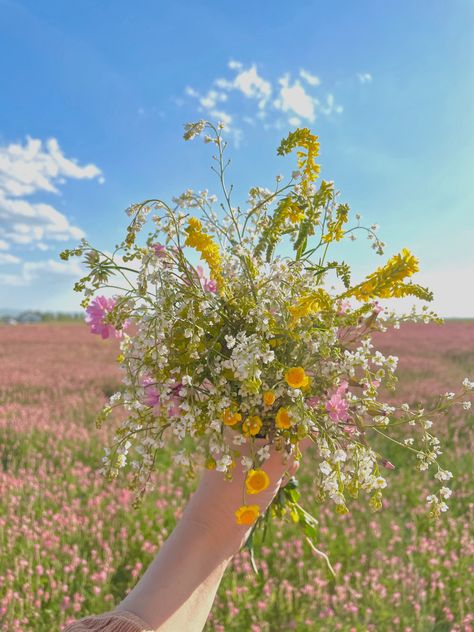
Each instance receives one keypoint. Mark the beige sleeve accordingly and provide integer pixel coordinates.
(118, 621)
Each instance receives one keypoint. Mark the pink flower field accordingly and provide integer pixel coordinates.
(71, 544)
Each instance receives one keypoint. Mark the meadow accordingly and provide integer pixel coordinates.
(70, 543)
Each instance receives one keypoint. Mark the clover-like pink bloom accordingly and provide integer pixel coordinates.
(208, 284)
(337, 405)
(159, 250)
(152, 396)
(313, 402)
(96, 311)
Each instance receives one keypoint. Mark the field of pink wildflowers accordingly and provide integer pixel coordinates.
(71, 544)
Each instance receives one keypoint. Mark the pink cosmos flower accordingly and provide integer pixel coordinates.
(98, 308)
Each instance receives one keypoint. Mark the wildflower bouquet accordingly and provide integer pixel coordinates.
(258, 340)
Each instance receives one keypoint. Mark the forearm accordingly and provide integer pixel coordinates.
(178, 589)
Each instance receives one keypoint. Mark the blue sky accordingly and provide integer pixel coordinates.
(94, 95)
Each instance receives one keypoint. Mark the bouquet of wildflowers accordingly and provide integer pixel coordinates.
(257, 339)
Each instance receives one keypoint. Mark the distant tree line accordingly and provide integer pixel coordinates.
(33, 316)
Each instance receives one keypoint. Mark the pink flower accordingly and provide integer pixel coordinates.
(377, 308)
(159, 250)
(208, 284)
(312, 402)
(343, 307)
(152, 396)
(337, 406)
(99, 307)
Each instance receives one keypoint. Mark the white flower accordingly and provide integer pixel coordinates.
(380, 482)
(468, 385)
(247, 463)
(223, 463)
(445, 492)
(466, 405)
(216, 424)
(186, 380)
(325, 468)
(264, 453)
(339, 455)
(443, 475)
(230, 341)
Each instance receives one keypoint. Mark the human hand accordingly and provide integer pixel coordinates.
(216, 499)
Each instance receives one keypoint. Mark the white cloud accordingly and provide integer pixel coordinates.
(295, 100)
(364, 77)
(309, 77)
(25, 222)
(248, 82)
(26, 169)
(33, 270)
(7, 258)
(32, 168)
(294, 120)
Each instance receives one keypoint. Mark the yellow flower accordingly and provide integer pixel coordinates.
(269, 398)
(252, 425)
(308, 150)
(310, 304)
(295, 215)
(210, 463)
(296, 377)
(204, 244)
(256, 481)
(283, 419)
(231, 418)
(386, 282)
(247, 514)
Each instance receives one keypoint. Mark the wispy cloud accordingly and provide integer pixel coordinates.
(309, 77)
(284, 102)
(29, 271)
(364, 77)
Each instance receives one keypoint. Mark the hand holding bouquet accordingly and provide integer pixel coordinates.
(241, 336)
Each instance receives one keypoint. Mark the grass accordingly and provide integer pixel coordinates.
(71, 544)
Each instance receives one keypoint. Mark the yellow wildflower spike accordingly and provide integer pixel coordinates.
(203, 243)
(386, 282)
(309, 144)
